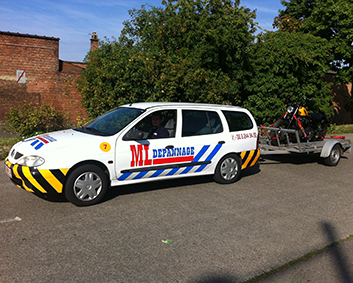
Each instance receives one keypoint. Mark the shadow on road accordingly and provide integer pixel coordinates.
(116, 191)
(296, 159)
(313, 266)
(52, 197)
(166, 184)
(337, 254)
(214, 278)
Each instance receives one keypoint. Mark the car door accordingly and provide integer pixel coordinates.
(202, 130)
(145, 151)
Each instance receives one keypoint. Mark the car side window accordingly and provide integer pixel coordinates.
(198, 122)
(157, 125)
(238, 121)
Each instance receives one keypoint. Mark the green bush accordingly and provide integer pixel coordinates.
(6, 144)
(28, 120)
(340, 129)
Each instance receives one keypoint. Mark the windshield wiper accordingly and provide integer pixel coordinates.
(95, 131)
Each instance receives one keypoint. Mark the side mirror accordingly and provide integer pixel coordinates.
(133, 135)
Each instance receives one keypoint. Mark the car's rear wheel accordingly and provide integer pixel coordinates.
(228, 169)
(86, 185)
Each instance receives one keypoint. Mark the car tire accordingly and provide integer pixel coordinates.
(86, 185)
(228, 169)
(334, 157)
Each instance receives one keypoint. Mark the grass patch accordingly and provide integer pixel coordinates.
(340, 129)
(293, 262)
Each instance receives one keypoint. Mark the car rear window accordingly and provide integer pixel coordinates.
(198, 122)
(238, 121)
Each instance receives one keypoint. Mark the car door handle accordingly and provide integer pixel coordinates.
(169, 146)
(221, 142)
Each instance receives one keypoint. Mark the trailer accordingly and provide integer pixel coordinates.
(330, 148)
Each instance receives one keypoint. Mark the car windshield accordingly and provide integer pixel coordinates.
(111, 122)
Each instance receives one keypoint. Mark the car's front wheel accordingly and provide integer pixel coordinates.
(228, 169)
(86, 185)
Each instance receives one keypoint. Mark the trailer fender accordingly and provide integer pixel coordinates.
(326, 150)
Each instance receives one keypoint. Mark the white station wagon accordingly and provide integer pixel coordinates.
(135, 143)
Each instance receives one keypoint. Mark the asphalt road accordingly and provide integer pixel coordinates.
(220, 233)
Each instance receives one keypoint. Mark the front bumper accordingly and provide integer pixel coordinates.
(36, 180)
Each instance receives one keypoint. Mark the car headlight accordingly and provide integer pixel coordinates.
(31, 161)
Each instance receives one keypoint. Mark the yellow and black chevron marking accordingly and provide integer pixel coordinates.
(36, 180)
(249, 158)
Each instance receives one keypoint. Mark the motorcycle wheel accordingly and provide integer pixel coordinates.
(282, 124)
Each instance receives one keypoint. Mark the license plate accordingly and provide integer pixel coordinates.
(8, 171)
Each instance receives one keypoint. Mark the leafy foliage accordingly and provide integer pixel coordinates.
(5, 146)
(187, 51)
(287, 23)
(287, 66)
(329, 19)
(29, 120)
(204, 51)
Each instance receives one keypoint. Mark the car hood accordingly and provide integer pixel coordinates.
(44, 144)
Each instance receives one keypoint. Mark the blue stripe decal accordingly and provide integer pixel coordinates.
(212, 154)
(197, 158)
(201, 152)
(35, 142)
(157, 173)
(140, 175)
(187, 169)
(39, 146)
(124, 176)
(49, 138)
(172, 172)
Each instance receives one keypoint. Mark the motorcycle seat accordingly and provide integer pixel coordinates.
(316, 116)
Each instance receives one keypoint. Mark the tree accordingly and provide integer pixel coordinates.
(189, 50)
(328, 19)
(287, 65)
(287, 23)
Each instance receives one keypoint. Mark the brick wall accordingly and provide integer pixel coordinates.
(69, 97)
(48, 79)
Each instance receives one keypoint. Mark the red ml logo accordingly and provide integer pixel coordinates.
(140, 155)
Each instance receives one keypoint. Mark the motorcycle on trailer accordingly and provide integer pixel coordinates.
(311, 127)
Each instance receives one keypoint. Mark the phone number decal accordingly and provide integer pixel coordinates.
(236, 137)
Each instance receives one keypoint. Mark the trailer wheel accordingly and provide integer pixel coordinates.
(334, 157)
